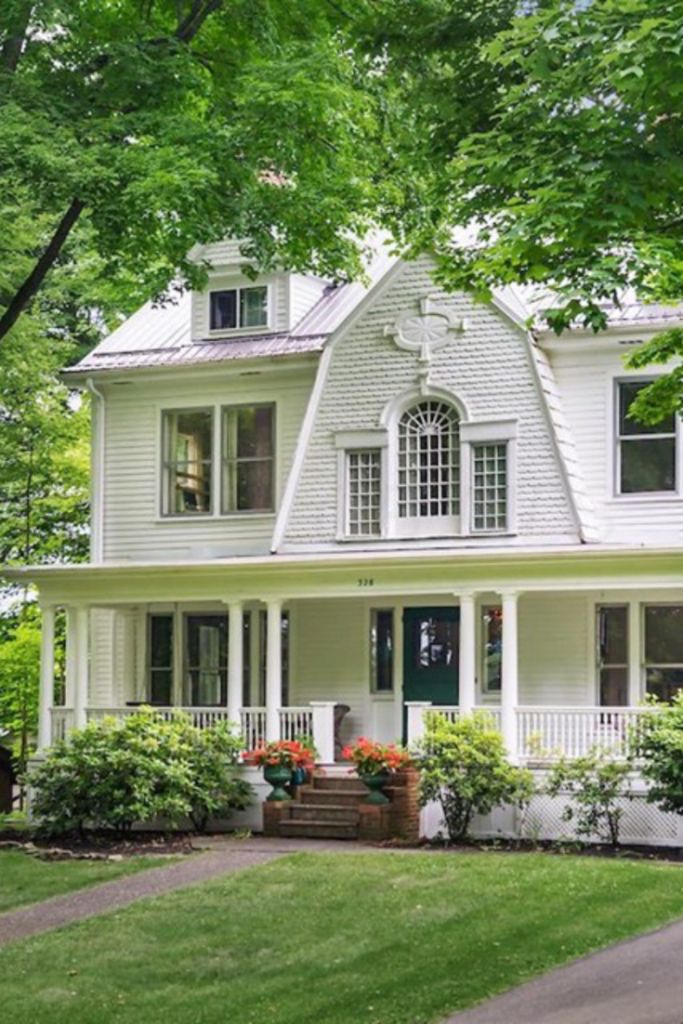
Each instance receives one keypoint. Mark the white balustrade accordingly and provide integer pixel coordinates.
(546, 733)
(296, 723)
(253, 724)
(62, 723)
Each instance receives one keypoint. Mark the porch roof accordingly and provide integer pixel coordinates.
(360, 573)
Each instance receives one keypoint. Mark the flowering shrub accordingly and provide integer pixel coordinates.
(289, 753)
(371, 758)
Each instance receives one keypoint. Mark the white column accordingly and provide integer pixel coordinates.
(70, 667)
(323, 729)
(273, 669)
(509, 697)
(82, 623)
(47, 677)
(635, 655)
(468, 657)
(235, 660)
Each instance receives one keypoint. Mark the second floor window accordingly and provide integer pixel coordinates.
(238, 307)
(428, 461)
(363, 485)
(646, 454)
(187, 441)
(248, 458)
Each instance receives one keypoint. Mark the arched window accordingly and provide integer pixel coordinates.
(429, 461)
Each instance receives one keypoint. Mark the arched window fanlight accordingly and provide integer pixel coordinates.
(429, 461)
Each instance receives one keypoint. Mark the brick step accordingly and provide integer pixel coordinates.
(317, 830)
(334, 813)
(339, 782)
(336, 797)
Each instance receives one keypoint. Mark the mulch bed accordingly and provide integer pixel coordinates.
(672, 854)
(98, 845)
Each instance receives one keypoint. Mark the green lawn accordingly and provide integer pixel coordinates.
(394, 938)
(24, 879)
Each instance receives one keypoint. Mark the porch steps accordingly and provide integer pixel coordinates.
(328, 808)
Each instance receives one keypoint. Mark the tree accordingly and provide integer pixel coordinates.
(19, 667)
(152, 125)
(660, 746)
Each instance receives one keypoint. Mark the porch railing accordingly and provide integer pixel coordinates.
(544, 734)
(62, 722)
(296, 723)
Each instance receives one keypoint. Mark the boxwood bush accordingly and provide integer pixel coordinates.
(115, 773)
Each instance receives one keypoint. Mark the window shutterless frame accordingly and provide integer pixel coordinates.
(238, 303)
(666, 435)
(382, 650)
(231, 461)
(170, 467)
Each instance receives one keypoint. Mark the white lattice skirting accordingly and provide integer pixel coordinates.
(642, 823)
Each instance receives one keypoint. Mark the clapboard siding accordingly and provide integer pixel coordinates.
(586, 379)
(133, 528)
(556, 665)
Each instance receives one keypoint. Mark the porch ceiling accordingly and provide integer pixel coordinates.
(359, 574)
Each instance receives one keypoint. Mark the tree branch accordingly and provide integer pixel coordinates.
(191, 24)
(14, 43)
(25, 293)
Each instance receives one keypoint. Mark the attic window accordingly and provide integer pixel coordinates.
(238, 307)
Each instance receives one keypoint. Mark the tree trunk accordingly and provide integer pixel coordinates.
(16, 37)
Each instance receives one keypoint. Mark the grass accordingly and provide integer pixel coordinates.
(336, 939)
(24, 879)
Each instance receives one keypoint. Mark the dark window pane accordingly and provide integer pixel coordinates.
(161, 687)
(613, 635)
(382, 650)
(246, 660)
(627, 425)
(254, 432)
(664, 682)
(648, 465)
(207, 656)
(437, 642)
(664, 634)
(614, 687)
(254, 486)
(223, 310)
(161, 641)
(254, 307)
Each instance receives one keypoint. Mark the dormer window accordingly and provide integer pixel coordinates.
(234, 308)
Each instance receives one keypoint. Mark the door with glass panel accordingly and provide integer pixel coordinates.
(206, 656)
(430, 654)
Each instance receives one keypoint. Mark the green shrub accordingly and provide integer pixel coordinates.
(597, 784)
(660, 747)
(112, 774)
(464, 767)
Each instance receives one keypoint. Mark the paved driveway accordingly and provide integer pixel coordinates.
(637, 982)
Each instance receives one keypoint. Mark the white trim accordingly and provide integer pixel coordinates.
(488, 430)
(241, 283)
(372, 438)
(97, 471)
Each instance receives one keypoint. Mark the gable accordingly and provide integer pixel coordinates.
(484, 365)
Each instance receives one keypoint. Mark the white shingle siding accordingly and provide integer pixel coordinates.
(133, 528)
(488, 367)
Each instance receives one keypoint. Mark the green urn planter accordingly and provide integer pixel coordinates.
(277, 776)
(375, 783)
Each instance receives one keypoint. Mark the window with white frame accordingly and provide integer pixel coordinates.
(187, 462)
(489, 486)
(646, 453)
(663, 636)
(492, 648)
(382, 650)
(363, 492)
(248, 457)
(612, 637)
(429, 461)
(232, 308)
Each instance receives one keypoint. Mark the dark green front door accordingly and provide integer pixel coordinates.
(430, 654)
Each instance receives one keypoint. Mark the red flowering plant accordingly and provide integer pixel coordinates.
(289, 753)
(371, 758)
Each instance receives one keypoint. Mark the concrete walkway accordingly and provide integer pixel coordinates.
(220, 856)
(639, 981)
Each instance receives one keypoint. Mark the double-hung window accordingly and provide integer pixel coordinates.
(363, 492)
(612, 652)
(663, 629)
(206, 660)
(233, 308)
(489, 486)
(382, 650)
(248, 458)
(160, 659)
(646, 453)
(188, 461)
(492, 649)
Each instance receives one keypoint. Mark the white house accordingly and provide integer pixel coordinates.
(382, 497)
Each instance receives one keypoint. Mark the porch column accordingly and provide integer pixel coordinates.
(235, 660)
(509, 697)
(80, 641)
(273, 669)
(635, 655)
(468, 643)
(47, 677)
